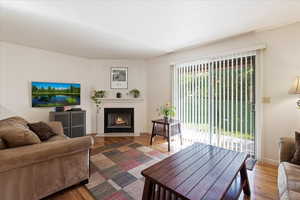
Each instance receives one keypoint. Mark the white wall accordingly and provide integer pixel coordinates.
(19, 65)
(136, 79)
(280, 68)
(1, 78)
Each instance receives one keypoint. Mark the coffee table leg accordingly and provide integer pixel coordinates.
(179, 128)
(147, 189)
(245, 180)
(153, 129)
(169, 138)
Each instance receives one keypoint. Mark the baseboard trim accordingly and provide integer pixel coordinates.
(270, 161)
(118, 134)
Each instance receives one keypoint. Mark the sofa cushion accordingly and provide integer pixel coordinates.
(42, 130)
(56, 138)
(288, 180)
(2, 144)
(296, 156)
(32, 154)
(56, 127)
(16, 136)
(13, 121)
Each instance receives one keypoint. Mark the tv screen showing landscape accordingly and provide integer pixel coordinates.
(46, 94)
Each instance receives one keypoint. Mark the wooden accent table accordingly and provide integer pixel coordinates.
(166, 128)
(197, 172)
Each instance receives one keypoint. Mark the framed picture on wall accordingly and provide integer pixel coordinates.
(119, 78)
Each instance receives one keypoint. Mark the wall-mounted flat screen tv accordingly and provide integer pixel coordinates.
(47, 94)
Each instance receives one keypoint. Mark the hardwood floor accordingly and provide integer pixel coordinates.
(263, 178)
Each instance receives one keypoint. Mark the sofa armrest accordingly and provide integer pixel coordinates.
(23, 156)
(286, 149)
(57, 127)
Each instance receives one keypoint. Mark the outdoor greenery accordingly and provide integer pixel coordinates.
(226, 106)
(205, 128)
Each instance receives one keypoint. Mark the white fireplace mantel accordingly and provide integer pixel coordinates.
(139, 112)
(122, 100)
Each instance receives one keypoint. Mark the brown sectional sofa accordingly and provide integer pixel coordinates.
(35, 171)
(288, 173)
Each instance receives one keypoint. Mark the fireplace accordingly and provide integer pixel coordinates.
(118, 120)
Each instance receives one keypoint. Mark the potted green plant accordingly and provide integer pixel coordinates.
(96, 98)
(135, 93)
(100, 93)
(167, 110)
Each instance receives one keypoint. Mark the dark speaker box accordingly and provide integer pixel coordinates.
(59, 109)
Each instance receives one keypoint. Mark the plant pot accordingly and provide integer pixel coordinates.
(166, 118)
(136, 95)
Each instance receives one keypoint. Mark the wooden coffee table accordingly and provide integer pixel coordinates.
(197, 172)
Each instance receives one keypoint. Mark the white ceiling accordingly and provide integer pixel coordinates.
(135, 28)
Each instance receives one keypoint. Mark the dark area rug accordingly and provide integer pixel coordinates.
(116, 171)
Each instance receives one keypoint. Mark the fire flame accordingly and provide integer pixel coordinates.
(119, 120)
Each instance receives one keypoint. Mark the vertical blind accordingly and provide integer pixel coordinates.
(215, 100)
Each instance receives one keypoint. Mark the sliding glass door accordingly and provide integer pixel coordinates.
(215, 101)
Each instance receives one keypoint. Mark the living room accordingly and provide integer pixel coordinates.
(227, 82)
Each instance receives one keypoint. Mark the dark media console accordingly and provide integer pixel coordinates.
(74, 122)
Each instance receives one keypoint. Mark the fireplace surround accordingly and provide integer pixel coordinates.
(118, 120)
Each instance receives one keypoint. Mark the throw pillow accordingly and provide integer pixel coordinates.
(42, 130)
(15, 137)
(296, 157)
